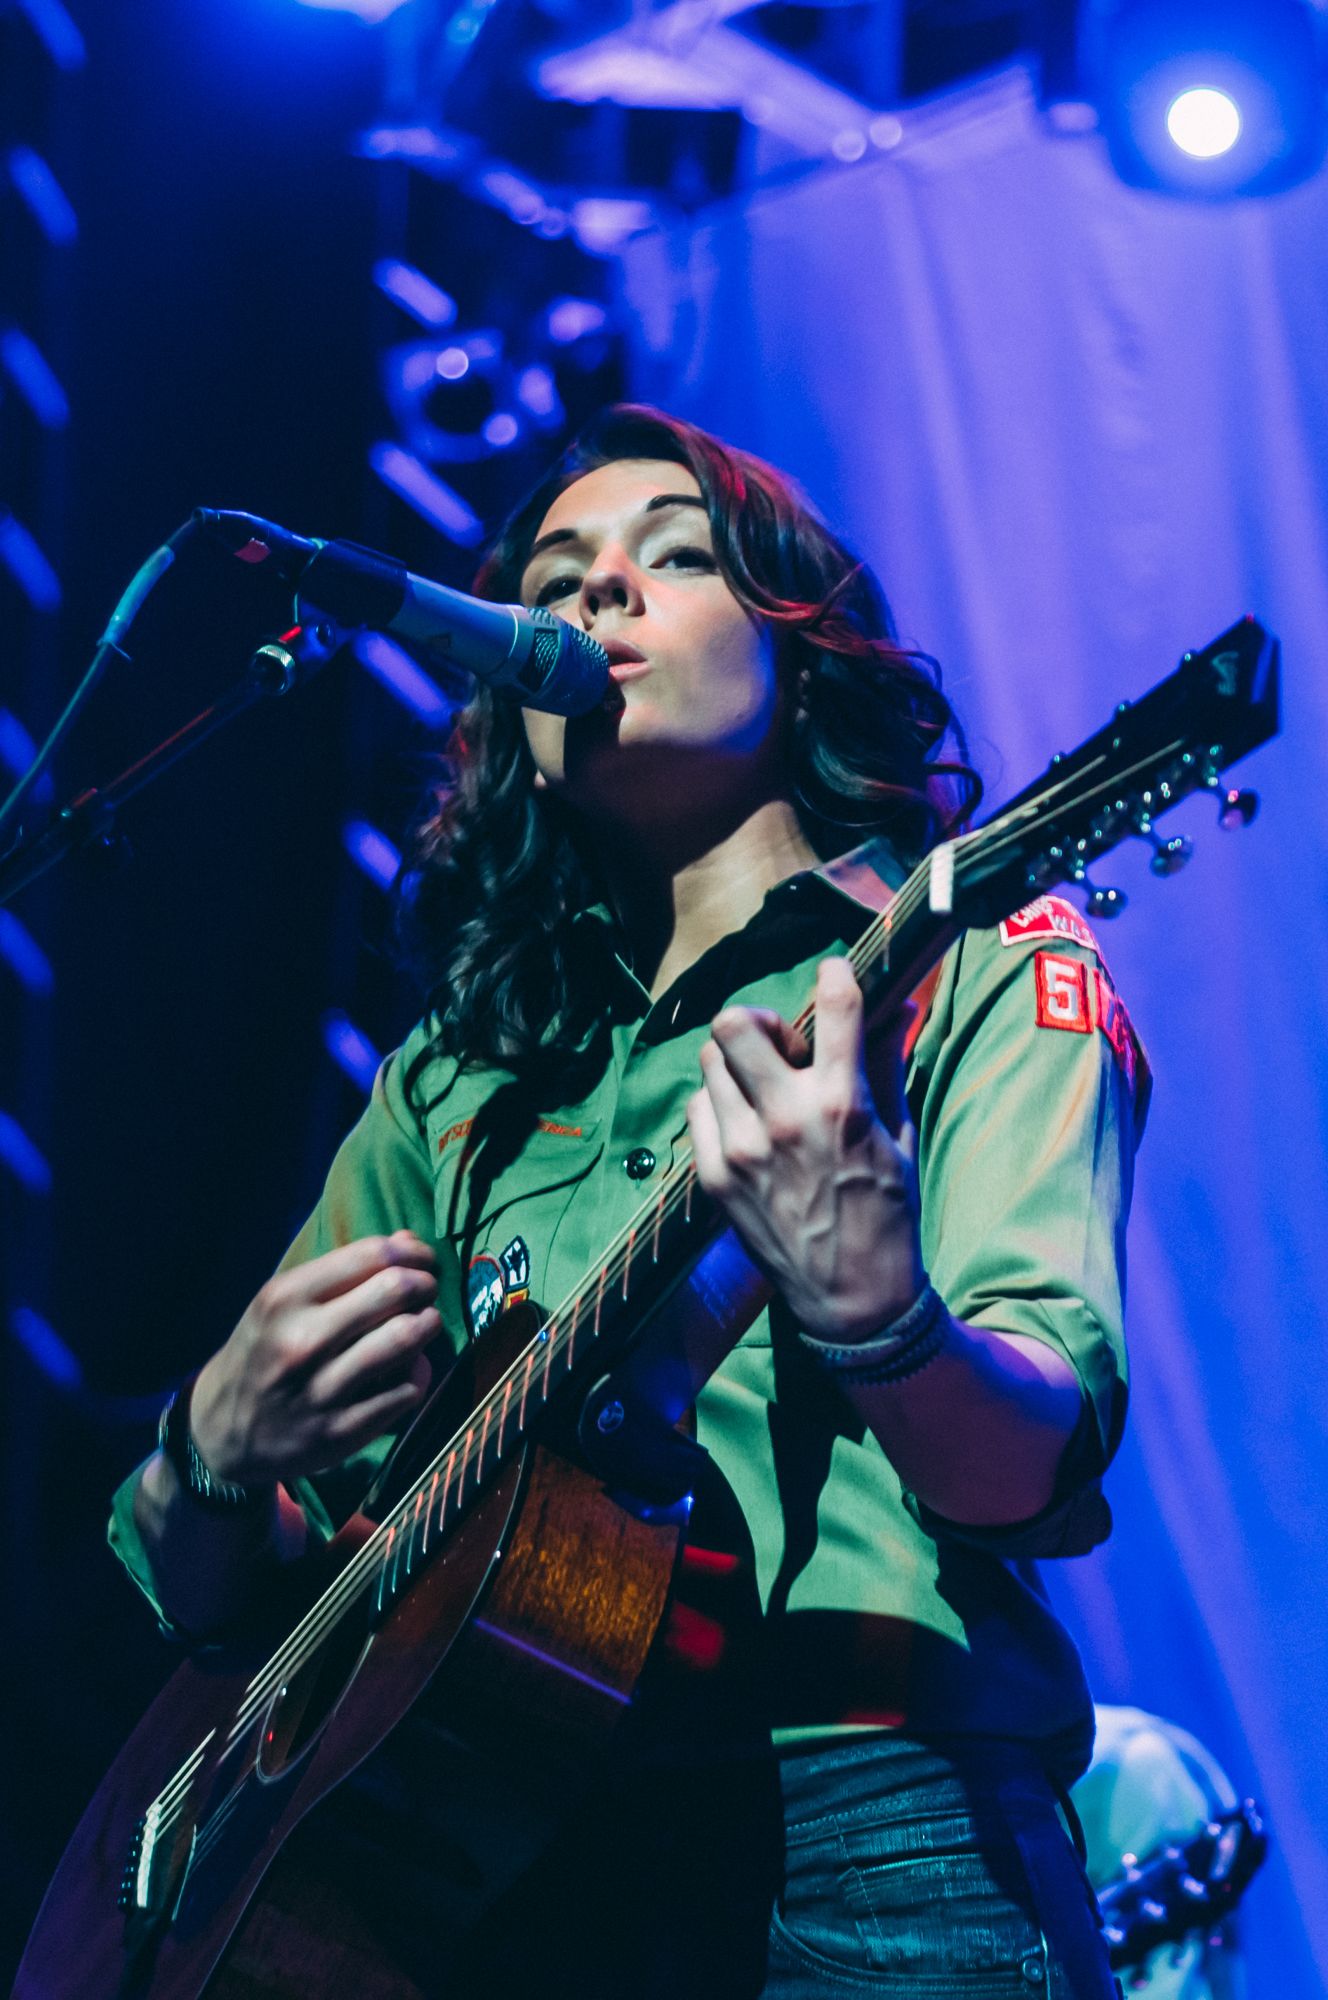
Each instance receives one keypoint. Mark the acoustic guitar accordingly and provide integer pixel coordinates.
(495, 1564)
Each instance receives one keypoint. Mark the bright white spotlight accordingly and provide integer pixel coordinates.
(1204, 123)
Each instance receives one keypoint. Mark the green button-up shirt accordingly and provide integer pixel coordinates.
(872, 1612)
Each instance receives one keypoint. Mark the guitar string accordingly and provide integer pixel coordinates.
(304, 1640)
(327, 1610)
(652, 1217)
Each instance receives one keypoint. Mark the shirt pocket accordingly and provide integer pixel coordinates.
(504, 1249)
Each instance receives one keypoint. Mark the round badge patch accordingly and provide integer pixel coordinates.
(493, 1283)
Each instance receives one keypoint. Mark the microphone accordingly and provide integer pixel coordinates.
(530, 656)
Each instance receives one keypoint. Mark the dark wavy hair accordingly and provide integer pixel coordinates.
(495, 874)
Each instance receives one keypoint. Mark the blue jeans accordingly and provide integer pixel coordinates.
(942, 1872)
(875, 1870)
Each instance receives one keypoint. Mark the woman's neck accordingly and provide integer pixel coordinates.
(675, 905)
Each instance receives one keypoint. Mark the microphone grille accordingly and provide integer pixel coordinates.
(570, 669)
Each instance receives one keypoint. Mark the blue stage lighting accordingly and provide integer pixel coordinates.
(1209, 98)
(41, 192)
(371, 851)
(24, 956)
(404, 679)
(34, 378)
(350, 1050)
(44, 1347)
(23, 1159)
(414, 293)
(432, 498)
(23, 558)
(17, 751)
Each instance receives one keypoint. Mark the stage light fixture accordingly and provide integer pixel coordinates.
(456, 402)
(1208, 98)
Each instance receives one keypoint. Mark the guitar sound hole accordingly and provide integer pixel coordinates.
(305, 1702)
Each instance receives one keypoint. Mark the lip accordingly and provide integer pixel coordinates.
(621, 653)
(627, 670)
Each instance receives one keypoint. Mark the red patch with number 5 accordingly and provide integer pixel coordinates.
(1062, 993)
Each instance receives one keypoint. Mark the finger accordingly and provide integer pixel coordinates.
(389, 1410)
(837, 1059)
(400, 1288)
(707, 1149)
(886, 1069)
(375, 1360)
(743, 1137)
(340, 1270)
(787, 1038)
(752, 1042)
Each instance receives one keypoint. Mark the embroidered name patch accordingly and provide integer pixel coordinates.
(1049, 917)
(463, 1129)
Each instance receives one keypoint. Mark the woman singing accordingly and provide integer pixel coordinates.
(618, 917)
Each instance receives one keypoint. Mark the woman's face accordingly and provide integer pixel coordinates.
(626, 553)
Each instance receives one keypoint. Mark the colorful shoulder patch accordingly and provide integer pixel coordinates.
(1077, 998)
(1049, 917)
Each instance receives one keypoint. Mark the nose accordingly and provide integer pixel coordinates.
(611, 583)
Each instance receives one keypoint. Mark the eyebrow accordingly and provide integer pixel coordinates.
(660, 501)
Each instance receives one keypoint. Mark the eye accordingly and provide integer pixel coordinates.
(690, 558)
(556, 586)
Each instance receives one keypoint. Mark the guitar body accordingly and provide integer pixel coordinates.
(528, 1628)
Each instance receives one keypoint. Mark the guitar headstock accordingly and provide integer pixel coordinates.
(1181, 738)
(1184, 1888)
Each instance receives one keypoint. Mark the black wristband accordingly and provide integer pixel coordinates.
(175, 1441)
(899, 1350)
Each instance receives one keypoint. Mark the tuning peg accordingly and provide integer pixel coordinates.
(1236, 809)
(1102, 903)
(1169, 856)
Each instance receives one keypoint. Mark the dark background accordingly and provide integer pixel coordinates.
(216, 326)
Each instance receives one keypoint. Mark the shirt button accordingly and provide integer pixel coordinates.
(1034, 1968)
(639, 1164)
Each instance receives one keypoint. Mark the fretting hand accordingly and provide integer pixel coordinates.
(821, 1188)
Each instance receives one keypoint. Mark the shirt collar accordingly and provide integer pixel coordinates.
(797, 916)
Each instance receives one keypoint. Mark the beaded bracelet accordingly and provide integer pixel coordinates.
(901, 1349)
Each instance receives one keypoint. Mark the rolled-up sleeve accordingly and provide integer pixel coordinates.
(1030, 1090)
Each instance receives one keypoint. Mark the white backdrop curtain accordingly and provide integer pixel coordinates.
(1077, 429)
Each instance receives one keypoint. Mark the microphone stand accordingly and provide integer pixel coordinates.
(90, 819)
